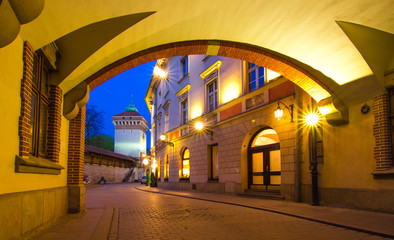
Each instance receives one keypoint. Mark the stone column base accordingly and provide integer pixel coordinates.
(76, 198)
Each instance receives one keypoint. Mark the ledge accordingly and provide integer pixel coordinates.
(183, 78)
(383, 174)
(36, 165)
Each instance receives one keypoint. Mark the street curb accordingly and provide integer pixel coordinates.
(101, 232)
(282, 213)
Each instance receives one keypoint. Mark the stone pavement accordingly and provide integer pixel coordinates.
(134, 211)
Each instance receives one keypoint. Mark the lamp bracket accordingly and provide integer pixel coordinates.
(289, 108)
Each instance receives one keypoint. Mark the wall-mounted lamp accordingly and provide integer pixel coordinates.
(199, 126)
(163, 138)
(279, 111)
(159, 72)
(145, 161)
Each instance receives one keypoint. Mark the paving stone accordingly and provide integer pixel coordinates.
(146, 215)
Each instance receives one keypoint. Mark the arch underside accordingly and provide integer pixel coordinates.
(286, 67)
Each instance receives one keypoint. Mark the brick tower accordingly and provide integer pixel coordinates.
(130, 132)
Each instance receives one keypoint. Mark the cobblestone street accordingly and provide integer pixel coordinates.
(144, 215)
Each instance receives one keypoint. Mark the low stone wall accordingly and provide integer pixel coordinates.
(25, 213)
(111, 174)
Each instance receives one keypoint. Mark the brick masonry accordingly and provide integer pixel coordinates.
(382, 132)
(26, 89)
(306, 80)
(54, 122)
(76, 151)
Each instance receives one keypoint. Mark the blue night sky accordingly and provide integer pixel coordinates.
(113, 96)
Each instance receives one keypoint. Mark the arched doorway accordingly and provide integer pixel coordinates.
(264, 162)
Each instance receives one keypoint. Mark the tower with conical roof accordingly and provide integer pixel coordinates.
(130, 132)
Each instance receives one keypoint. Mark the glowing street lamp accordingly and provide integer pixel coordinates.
(145, 161)
(279, 111)
(312, 119)
(199, 126)
(159, 72)
(163, 138)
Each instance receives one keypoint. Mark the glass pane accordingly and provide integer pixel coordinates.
(186, 169)
(32, 121)
(251, 65)
(258, 162)
(186, 154)
(266, 137)
(215, 162)
(44, 82)
(258, 179)
(158, 168)
(275, 161)
(252, 81)
(261, 76)
(166, 166)
(275, 180)
(253, 76)
(43, 129)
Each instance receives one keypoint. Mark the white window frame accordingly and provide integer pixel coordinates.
(257, 69)
(184, 111)
(213, 94)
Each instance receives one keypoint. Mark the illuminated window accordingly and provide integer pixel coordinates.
(213, 163)
(184, 172)
(212, 95)
(158, 168)
(166, 167)
(184, 112)
(256, 77)
(184, 67)
(39, 108)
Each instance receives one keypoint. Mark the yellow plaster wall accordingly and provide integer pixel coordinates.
(11, 70)
(348, 154)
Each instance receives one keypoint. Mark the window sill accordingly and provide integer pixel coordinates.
(184, 180)
(36, 165)
(213, 180)
(182, 79)
(384, 174)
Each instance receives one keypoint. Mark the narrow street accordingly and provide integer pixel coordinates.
(121, 211)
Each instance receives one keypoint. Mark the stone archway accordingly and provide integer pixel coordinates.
(310, 80)
(315, 84)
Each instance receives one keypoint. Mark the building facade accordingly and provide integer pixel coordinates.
(239, 147)
(130, 132)
(243, 147)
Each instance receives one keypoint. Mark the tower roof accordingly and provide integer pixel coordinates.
(131, 107)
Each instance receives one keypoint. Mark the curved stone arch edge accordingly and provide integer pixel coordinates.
(331, 106)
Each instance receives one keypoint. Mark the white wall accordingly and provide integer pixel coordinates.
(130, 142)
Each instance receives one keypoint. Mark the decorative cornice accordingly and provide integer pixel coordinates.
(212, 68)
(183, 90)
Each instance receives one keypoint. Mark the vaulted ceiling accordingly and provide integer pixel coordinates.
(350, 42)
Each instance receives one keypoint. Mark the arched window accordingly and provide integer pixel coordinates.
(184, 168)
(158, 168)
(166, 168)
